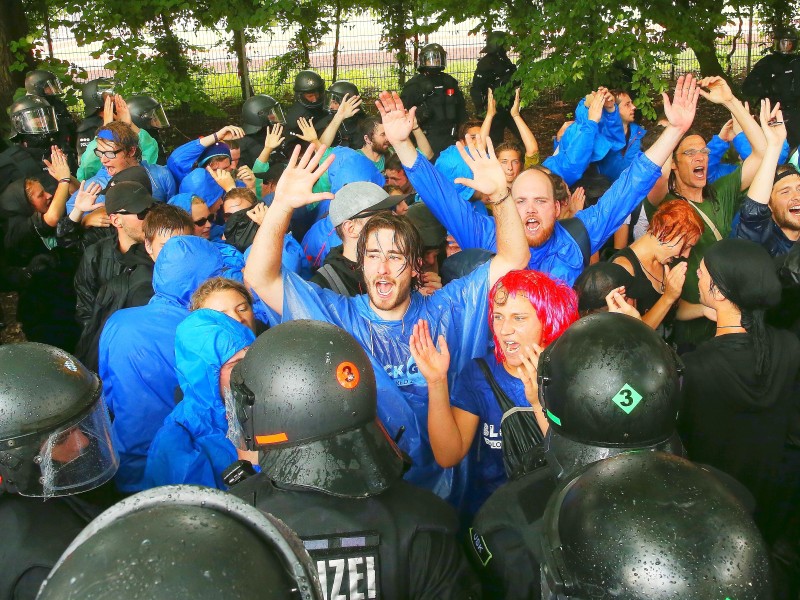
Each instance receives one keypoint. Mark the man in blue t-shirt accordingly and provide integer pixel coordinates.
(389, 254)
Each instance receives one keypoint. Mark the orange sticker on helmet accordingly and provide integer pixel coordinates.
(347, 375)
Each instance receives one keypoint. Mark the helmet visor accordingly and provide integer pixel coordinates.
(103, 88)
(272, 115)
(432, 60)
(35, 120)
(52, 87)
(155, 118)
(72, 459)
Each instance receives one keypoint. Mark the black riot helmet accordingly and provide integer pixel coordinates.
(92, 93)
(55, 435)
(496, 41)
(337, 92)
(147, 112)
(432, 59)
(608, 384)
(306, 399)
(261, 111)
(33, 115)
(42, 83)
(184, 542)
(309, 82)
(786, 40)
(654, 526)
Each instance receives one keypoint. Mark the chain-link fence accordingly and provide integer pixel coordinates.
(361, 60)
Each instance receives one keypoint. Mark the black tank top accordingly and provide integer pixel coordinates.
(642, 288)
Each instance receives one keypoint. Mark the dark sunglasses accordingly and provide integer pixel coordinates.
(140, 215)
(107, 153)
(203, 221)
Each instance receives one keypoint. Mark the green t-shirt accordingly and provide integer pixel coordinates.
(721, 212)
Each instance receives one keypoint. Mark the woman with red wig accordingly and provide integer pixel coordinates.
(527, 311)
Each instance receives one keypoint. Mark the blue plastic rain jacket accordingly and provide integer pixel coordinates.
(192, 446)
(137, 352)
(718, 147)
(160, 179)
(560, 256)
(459, 311)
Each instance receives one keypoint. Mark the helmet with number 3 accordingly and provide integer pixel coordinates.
(608, 384)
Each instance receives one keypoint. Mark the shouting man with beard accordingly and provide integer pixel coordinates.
(389, 253)
(553, 248)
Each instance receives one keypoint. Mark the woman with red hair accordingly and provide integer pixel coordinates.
(674, 230)
(527, 311)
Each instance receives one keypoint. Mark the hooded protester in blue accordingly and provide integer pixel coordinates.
(348, 166)
(137, 352)
(193, 446)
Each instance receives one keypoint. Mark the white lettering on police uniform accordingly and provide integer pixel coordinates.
(359, 570)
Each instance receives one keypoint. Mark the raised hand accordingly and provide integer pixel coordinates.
(108, 109)
(86, 199)
(726, 133)
(488, 176)
(680, 112)
(397, 122)
(274, 137)
(307, 131)
(349, 106)
(246, 175)
(718, 92)
(223, 178)
(57, 165)
(772, 124)
(674, 278)
(528, 373)
(615, 300)
(596, 104)
(97, 218)
(257, 213)
(123, 113)
(577, 200)
(429, 283)
(515, 107)
(295, 185)
(230, 132)
(432, 363)
(491, 104)
(609, 102)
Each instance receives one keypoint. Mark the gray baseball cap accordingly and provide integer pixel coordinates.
(360, 199)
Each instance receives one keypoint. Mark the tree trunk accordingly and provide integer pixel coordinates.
(13, 26)
(706, 53)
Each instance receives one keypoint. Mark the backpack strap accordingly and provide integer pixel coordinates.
(577, 229)
(502, 398)
(334, 280)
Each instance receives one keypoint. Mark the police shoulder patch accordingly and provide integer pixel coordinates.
(479, 547)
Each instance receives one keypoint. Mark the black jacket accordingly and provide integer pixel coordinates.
(101, 261)
(346, 269)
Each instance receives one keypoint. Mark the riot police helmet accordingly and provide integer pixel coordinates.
(610, 383)
(309, 82)
(305, 398)
(55, 432)
(33, 115)
(650, 525)
(147, 112)
(93, 93)
(432, 59)
(261, 111)
(184, 542)
(337, 92)
(496, 41)
(42, 83)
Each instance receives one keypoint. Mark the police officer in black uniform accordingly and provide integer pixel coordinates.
(46, 84)
(439, 101)
(646, 525)
(777, 77)
(309, 98)
(330, 471)
(93, 93)
(148, 114)
(609, 384)
(494, 70)
(347, 134)
(55, 442)
(35, 130)
(184, 541)
(259, 113)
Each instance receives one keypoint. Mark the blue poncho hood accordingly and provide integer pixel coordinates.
(183, 264)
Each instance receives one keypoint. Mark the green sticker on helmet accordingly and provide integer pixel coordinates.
(553, 418)
(627, 398)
